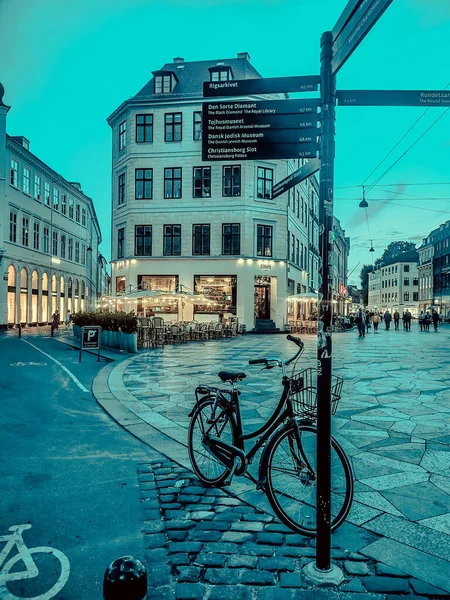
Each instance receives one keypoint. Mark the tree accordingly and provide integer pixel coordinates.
(395, 250)
(365, 282)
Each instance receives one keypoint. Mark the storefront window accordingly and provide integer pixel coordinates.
(159, 304)
(34, 296)
(11, 295)
(220, 290)
(44, 300)
(23, 295)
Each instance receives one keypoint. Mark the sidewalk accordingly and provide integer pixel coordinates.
(399, 521)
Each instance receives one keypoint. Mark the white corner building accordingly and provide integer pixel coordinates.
(49, 237)
(179, 223)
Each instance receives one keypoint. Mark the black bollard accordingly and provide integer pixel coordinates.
(20, 330)
(125, 579)
(51, 330)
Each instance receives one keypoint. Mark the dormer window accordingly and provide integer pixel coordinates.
(221, 73)
(165, 81)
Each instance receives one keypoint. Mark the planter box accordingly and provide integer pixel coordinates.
(114, 339)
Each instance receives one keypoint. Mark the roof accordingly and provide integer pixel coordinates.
(191, 76)
(408, 257)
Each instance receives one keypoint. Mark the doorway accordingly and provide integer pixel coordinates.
(262, 300)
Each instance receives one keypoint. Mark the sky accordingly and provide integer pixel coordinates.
(66, 66)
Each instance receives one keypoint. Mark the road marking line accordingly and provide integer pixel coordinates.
(71, 375)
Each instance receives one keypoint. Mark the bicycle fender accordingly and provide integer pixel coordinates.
(262, 472)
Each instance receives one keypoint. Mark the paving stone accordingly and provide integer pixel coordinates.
(256, 550)
(158, 575)
(214, 525)
(356, 568)
(294, 539)
(211, 560)
(185, 499)
(151, 515)
(222, 548)
(237, 536)
(425, 589)
(153, 527)
(189, 547)
(279, 528)
(161, 593)
(222, 576)
(189, 591)
(251, 526)
(177, 535)
(382, 569)
(387, 585)
(355, 585)
(182, 558)
(274, 539)
(276, 563)
(200, 515)
(290, 580)
(189, 574)
(257, 577)
(274, 593)
(149, 503)
(157, 556)
(229, 502)
(206, 536)
(296, 551)
(194, 489)
(258, 517)
(155, 540)
(170, 505)
(180, 524)
(235, 592)
(248, 562)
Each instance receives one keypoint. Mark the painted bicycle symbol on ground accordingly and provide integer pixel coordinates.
(24, 554)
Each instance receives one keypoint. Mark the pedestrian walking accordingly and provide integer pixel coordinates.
(427, 321)
(387, 319)
(55, 320)
(421, 320)
(407, 321)
(396, 319)
(435, 319)
(368, 321)
(360, 321)
(68, 320)
(376, 322)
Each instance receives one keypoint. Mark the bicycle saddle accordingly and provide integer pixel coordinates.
(231, 376)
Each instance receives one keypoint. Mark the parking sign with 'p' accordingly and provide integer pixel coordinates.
(90, 339)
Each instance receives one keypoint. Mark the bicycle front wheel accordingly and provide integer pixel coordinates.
(292, 481)
(218, 423)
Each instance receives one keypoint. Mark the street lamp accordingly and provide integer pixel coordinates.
(363, 203)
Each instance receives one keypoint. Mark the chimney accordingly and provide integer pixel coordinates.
(22, 141)
(244, 55)
(178, 60)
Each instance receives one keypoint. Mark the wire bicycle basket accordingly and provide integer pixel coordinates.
(303, 393)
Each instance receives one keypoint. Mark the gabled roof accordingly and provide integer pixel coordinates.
(407, 257)
(191, 76)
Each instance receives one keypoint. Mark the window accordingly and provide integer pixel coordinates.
(47, 193)
(172, 240)
(415, 281)
(63, 246)
(144, 184)
(406, 281)
(201, 239)
(14, 173)
(143, 240)
(70, 256)
(231, 181)
(71, 208)
(37, 187)
(201, 182)
(172, 127)
(26, 180)
(36, 236)
(220, 75)
(197, 131)
(172, 183)
(13, 227)
(83, 216)
(55, 243)
(292, 248)
(63, 204)
(406, 297)
(297, 254)
(77, 251)
(144, 128)
(55, 199)
(291, 287)
(46, 239)
(163, 84)
(221, 289)
(122, 136)
(415, 296)
(121, 198)
(77, 213)
(120, 242)
(231, 238)
(25, 223)
(265, 182)
(83, 254)
(264, 240)
(405, 268)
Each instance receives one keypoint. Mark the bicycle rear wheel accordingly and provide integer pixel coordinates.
(292, 483)
(206, 466)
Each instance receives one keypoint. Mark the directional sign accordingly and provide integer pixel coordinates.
(358, 24)
(260, 150)
(226, 110)
(217, 137)
(243, 87)
(393, 98)
(296, 177)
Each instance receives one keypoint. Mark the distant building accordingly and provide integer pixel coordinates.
(425, 271)
(354, 298)
(395, 285)
(49, 237)
(434, 270)
(341, 246)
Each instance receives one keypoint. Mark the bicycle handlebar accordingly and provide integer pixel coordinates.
(257, 361)
(297, 341)
(265, 361)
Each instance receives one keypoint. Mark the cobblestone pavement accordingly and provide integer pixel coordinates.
(393, 422)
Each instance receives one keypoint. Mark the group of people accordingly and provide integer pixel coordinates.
(365, 319)
(56, 320)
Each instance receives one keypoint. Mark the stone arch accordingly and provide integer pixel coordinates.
(24, 285)
(11, 294)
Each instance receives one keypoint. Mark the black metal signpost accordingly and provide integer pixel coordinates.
(275, 129)
(90, 339)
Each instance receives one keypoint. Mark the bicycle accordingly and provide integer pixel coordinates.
(31, 570)
(287, 473)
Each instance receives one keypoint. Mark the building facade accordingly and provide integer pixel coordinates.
(49, 237)
(180, 224)
(425, 271)
(395, 286)
(341, 246)
(434, 270)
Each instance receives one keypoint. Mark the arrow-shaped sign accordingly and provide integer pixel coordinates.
(296, 177)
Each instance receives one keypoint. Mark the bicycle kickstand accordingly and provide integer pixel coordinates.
(236, 463)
